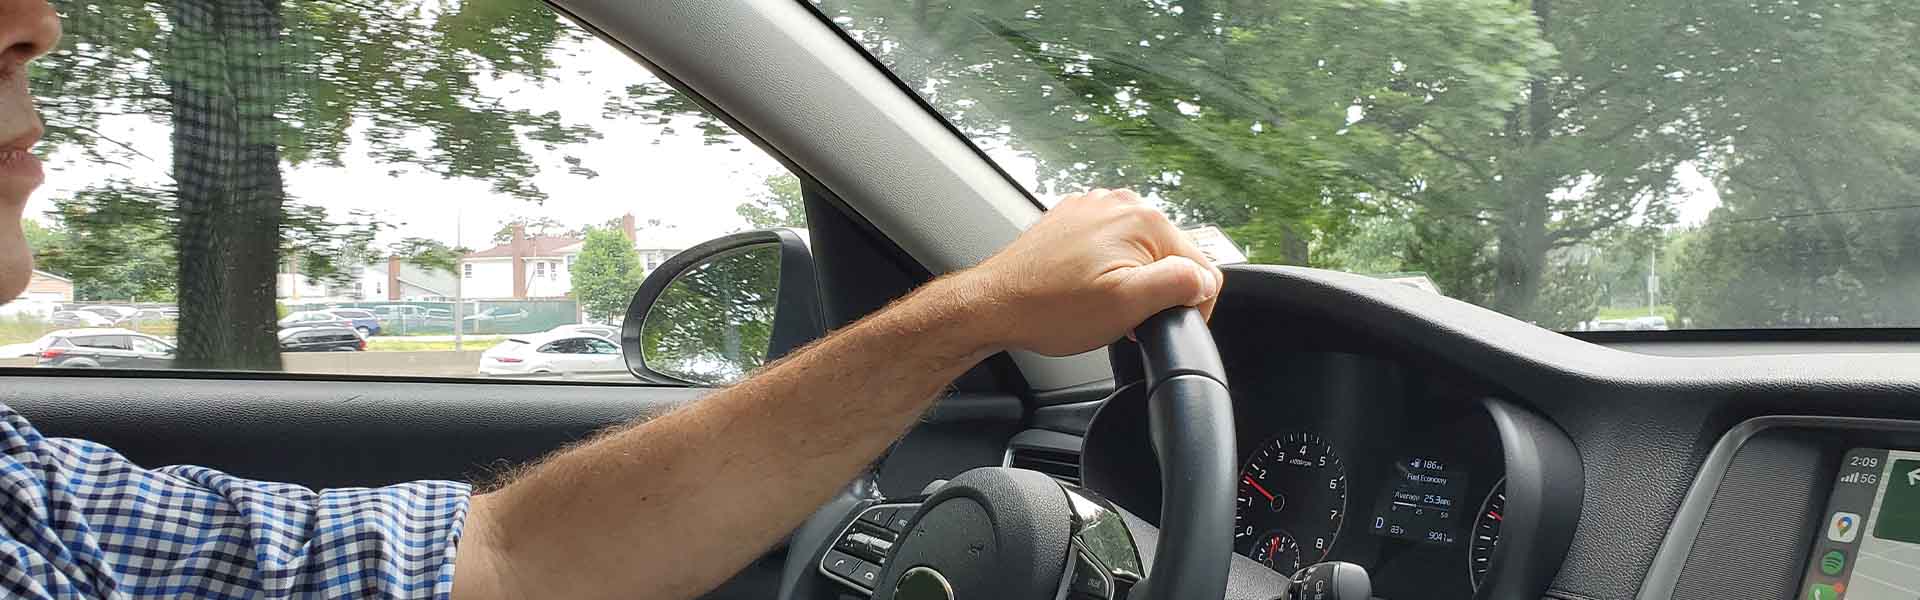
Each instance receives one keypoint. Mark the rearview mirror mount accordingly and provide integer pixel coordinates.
(715, 312)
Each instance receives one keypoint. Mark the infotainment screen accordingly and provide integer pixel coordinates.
(1869, 543)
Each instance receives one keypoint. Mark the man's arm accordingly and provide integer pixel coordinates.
(725, 478)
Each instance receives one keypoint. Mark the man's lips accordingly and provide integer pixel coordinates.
(20, 164)
(17, 160)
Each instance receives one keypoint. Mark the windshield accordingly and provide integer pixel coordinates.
(1720, 164)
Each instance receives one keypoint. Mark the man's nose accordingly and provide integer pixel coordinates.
(28, 29)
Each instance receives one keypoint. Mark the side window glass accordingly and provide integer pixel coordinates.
(465, 171)
(602, 347)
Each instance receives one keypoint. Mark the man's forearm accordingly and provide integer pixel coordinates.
(661, 509)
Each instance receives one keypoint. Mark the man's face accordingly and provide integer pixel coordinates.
(28, 28)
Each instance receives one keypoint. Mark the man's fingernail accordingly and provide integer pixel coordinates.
(1208, 285)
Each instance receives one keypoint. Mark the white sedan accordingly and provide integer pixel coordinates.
(564, 354)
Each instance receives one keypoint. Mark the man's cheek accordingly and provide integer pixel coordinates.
(16, 260)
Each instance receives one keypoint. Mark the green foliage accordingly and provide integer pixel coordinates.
(605, 275)
(714, 323)
(778, 205)
(115, 241)
(535, 227)
(428, 253)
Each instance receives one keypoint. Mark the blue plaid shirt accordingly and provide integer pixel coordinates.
(77, 520)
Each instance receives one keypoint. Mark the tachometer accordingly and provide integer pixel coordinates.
(1486, 534)
(1293, 498)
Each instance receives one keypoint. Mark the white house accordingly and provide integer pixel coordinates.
(541, 266)
(521, 268)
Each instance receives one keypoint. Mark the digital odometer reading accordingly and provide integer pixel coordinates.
(1293, 498)
(1421, 501)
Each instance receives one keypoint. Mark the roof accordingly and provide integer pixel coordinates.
(40, 273)
(546, 245)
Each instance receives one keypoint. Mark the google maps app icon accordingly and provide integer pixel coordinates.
(1844, 527)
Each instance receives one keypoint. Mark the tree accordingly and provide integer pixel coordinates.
(248, 86)
(1820, 222)
(536, 226)
(605, 275)
(779, 204)
(113, 243)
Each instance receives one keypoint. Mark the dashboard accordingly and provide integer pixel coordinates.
(1343, 457)
(1692, 466)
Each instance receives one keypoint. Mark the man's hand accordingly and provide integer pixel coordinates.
(672, 507)
(1093, 268)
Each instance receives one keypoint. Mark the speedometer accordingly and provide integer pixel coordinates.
(1486, 534)
(1293, 498)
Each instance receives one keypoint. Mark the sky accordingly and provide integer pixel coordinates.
(677, 179)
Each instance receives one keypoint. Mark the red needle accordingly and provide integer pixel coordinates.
(1495, 515)
(1273, 547)
(1263, 491)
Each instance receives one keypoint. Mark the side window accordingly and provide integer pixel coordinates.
(104, 342)
(482, 173)
(147, 346)
(602, 347)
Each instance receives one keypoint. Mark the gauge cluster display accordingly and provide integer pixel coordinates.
(1422, 501)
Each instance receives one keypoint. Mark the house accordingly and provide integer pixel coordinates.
(47, 287)
(524, 267)
(541, 266)
(396, 280)
(45, 293)
(389, 279)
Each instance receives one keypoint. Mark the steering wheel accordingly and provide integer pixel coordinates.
(996, 532)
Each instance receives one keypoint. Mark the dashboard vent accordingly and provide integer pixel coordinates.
(1060, 464)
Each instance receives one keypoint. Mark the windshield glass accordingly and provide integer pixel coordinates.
(1711, 164)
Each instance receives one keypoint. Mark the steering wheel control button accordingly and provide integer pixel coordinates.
(1090, 580)
(840, 563)
(898, 524)
(866, 574)
(878, 516)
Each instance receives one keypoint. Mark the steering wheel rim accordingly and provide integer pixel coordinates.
(1003, 532)
(1190, 415)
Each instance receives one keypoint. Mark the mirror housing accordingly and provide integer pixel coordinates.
(796, 320)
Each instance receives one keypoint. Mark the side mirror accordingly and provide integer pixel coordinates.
(715, 312)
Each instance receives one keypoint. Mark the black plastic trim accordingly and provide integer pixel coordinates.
(1545, 488)
(1664, 575)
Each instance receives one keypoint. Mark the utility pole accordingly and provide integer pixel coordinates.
(1653, 280)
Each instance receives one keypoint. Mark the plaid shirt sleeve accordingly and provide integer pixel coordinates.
(77, 520)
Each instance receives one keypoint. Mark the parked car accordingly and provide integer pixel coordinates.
(360, 319)
(322, 338)
(611, 332)
(310, 318)
(154, 315)
(104, 348)
(565, 353)
(78, 318)
(113, 314)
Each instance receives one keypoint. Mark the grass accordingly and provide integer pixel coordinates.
(1634, 312)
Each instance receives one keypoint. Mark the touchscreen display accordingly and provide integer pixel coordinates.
(1869, 543)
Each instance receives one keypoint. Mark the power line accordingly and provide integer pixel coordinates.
(1816, 213)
